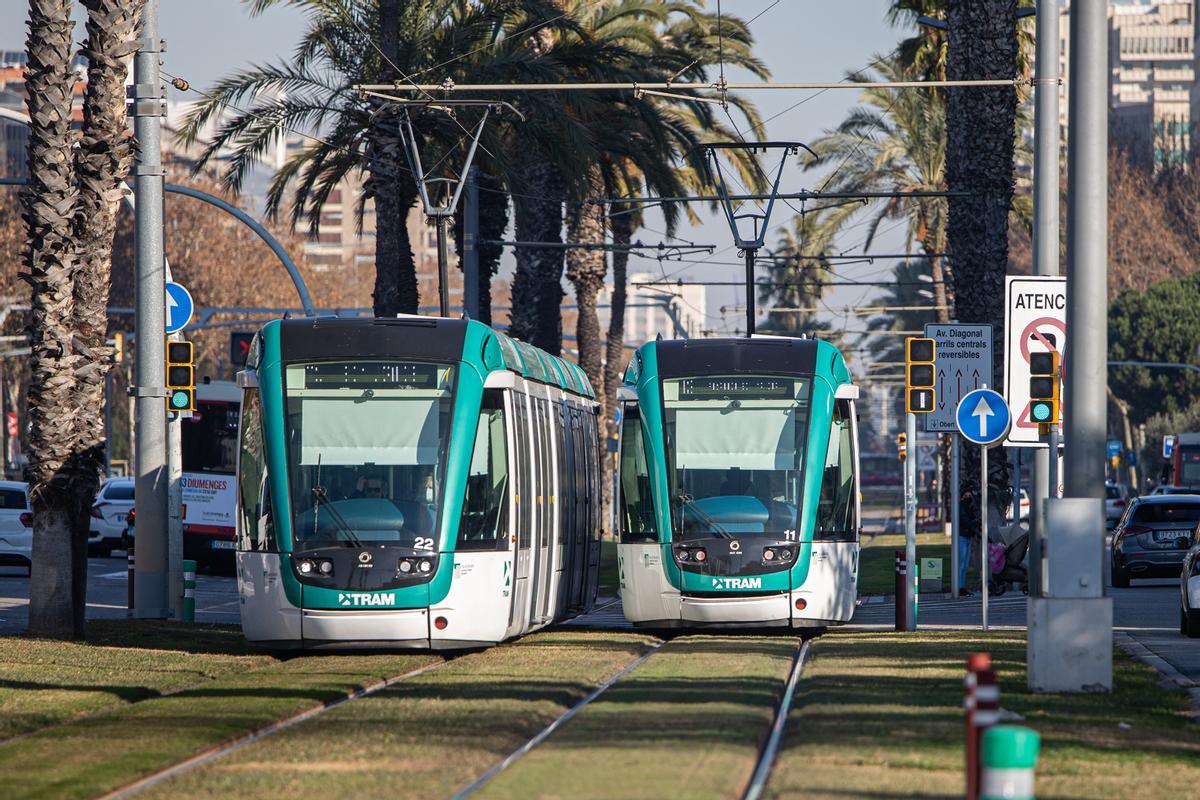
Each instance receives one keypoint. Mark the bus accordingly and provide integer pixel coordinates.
(738, 491)
(414, 483)
(1185, 461)
(209, 448)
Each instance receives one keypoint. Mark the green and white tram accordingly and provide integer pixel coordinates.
(414, 482)
(738, 496)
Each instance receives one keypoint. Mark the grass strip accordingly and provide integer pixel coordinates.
(45, 682)
(425, 737)
(880, 715)
(103, 752)
(877, 561)
(687, 723)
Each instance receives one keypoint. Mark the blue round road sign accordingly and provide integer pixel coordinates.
(179, 307)
(983, 417)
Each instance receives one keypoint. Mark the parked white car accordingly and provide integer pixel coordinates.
(16, 525)
(113, 504)
(1189, 590)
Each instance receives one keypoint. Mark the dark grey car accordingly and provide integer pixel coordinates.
(1153, 537)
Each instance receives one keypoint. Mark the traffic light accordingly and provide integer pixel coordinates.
(919, 374)
(118, 348)
(181, 377)
(239, 347)
(1044, 389)
(902, 446)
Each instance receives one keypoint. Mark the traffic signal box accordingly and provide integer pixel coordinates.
(181, 377)
(919, 374)
(1044, 385)
(902, 446)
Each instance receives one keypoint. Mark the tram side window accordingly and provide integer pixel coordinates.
(485, 507)
(257, 531)
(637, 508)
(836, 508)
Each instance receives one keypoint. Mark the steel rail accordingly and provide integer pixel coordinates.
(200, 759)
(766, 758)
(563, 719)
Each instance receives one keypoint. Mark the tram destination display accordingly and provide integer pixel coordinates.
(741, 388)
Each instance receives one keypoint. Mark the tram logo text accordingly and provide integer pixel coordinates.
(737, 583)
(367, 598)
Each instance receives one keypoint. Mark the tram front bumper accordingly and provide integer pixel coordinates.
(769, 610)
(401, 627)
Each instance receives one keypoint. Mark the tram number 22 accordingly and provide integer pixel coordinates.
(422, 543)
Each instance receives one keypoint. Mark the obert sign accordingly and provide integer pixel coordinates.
(1035, 325)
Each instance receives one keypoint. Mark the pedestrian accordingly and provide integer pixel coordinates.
(968, 537)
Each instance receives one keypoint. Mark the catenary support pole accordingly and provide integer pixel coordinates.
(750, 254)
(1045, 234)
(443, 266)
(470, 244)
(955, 455)
(152, 577)
(910, 522)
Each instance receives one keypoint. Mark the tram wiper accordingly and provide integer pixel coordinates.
(322, 496)
(705, 517)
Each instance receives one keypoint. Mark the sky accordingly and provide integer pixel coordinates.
(800, 40)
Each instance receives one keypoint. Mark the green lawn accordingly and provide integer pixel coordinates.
(100, 752)
(880, 715)
(877, 563)
(424, 737)
(687, 723)
(45, 682)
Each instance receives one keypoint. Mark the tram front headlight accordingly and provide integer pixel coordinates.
(683, 554)
(700, 554)
(325, 567)
(406, 566)
(425, 566)
(785, 554)
(306, 566)
(768, 554)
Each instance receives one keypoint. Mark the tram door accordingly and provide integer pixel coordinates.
(519, 508)
(553, 532)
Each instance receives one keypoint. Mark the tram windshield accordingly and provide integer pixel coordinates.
(366, 448)
(736, 446)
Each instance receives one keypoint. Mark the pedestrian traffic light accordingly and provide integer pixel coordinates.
(239, 347)
(902, 446)
(181, 377)
(1044, 389)
(919, 394)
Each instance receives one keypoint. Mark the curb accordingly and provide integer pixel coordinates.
(1172, 677)
(880, 599)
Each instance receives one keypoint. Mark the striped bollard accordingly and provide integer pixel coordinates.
(189, 590)
(129, 573)
(982, 706)
(901, 604)
(1010, 754)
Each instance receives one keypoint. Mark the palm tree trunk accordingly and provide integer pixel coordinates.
(56, 602)
(537, 291)
(493, 224)
(621, 225)
(585, 271)
(979, 161)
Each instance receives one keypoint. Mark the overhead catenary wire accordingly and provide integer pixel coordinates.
(450, 86)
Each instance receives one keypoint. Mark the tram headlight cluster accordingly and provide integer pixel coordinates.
(777, 555)
(692, 554)
(408, 566)
(309, 566)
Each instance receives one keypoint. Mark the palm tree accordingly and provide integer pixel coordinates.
(799, 271)
(56, 601)
(70, 206)
(895, 142)
(355, 42)
(979, 163)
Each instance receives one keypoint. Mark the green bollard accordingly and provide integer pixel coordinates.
(189, 590)
(1010, 754)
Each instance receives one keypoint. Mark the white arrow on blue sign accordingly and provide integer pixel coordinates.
(179, 307)
(983, 417)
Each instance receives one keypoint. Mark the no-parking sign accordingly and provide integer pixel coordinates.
(1035, 321)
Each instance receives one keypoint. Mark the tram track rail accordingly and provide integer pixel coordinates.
(558, 722)
(264, 732)
(770, 749)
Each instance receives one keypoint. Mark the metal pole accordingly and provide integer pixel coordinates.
(750, 254)
(1016, 487)
(1046, 237)
(443, 267)
(152, 584)
(175, 513)
(108, 382)
(983, 532)
(910, 522)
(1087, 254)
(470, 244)
(955, 455)
(1054, 477)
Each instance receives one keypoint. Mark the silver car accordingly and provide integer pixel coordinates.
(1153, 537)
(16, 525)
(107, 525)
(1189, 590)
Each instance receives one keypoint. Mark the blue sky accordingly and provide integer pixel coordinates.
(800, 40)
